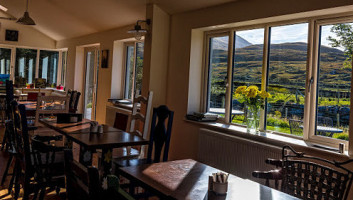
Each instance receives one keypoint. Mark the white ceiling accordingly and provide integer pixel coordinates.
(62, 19)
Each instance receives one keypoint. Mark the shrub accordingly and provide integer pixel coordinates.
(341, 136)
(277, 122)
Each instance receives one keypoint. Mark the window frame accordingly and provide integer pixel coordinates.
(125, 62)
(309, 115)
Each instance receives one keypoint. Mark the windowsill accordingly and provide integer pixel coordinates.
(270, 138)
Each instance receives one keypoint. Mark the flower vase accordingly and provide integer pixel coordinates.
(252, 119)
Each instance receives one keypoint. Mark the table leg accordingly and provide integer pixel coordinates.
(68, 143)
(85, 156)
(106, 162)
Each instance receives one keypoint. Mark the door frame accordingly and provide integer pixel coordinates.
(95, 80)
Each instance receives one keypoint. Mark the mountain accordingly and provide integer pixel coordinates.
(221, 43)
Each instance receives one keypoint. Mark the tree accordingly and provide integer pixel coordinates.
(344, 34)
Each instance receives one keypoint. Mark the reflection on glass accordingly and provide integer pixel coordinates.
(129, 80)
(25, 66)
(286, 78)
(247, 67)
(217, 74)
(5, 59)
(334, 81)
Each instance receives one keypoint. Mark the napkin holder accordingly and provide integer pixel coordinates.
(68, 118)
(219, 188)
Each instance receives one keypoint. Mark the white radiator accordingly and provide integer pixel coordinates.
(235, 155)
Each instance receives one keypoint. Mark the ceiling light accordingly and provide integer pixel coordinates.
(138, 31)
(26, 19)
(3, 8)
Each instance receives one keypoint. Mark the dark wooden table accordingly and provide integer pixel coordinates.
(89, 142)
(188, 179)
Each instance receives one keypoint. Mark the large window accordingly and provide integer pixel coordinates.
(48, 66)
(133, 69)
(305, 67)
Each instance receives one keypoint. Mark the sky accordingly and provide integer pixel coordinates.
(282, 34)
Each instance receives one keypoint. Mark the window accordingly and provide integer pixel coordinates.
(63, 67)
(133, 68)
(217, 74)
(334, 80)
(25, 66)
(286, 78)
(48, 67)
(5, 60)
(305, 66)
(247, 66)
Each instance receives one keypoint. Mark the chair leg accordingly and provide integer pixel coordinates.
(6, 172)
(26, 188)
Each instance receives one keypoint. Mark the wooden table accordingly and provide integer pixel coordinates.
(89, 142)
(188, 179)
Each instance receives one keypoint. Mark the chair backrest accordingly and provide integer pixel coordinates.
(160, 135)
(9, 97)
(324, 121)
(82, 182)
(121, 121)
(304, 178)
(22, 144)
(51, 105)
(138, 116)
(295, 127)
(74, 99)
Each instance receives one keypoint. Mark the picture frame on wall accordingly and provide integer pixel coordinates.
(105, 56)
(11, 35)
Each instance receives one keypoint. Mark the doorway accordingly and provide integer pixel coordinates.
(90, 82)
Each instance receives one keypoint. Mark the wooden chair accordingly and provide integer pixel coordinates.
(27, 156)
(9, 98)
(74, 99)
(308, 177)
(33, 96)
(121, 121)
(84, 182)
(159, 138)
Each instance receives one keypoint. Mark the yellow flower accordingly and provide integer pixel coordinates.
(108, 156)
(251, 91)
(240, 89)
(263, 94)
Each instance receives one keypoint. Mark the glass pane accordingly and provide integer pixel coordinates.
(129, 72)
(334, 83)
(286, 78)
(5, 59)
(247, 67)
(25, 66)
(48, 67)
(63, 68)
(90, 84)
(218, 62)
(139, 66)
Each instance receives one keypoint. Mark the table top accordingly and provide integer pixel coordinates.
(222, 111)
(188, 179)
(80, 133)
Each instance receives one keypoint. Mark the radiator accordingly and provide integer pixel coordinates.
(235, 155)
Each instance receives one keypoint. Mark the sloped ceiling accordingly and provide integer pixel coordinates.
(63, 19)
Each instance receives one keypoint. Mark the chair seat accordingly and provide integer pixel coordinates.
(129, 162)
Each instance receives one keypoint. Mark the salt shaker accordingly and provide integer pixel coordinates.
(100, 128)
(341, 148)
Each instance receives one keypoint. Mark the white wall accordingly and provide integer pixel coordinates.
(27, 36)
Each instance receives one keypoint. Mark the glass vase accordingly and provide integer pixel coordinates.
(252, 119)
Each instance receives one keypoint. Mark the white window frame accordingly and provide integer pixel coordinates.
(309, 117)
